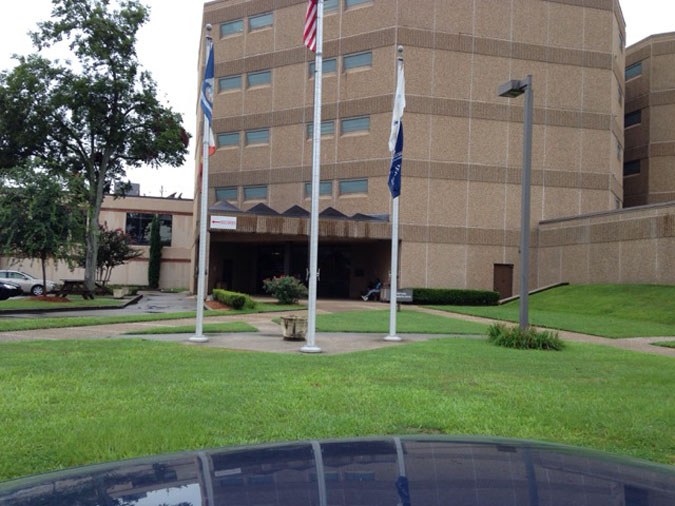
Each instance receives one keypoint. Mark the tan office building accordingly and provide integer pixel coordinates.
(649, 168)
(460, 200)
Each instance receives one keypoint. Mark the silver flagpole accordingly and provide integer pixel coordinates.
(199, 336)
(393, 283)
(310, 346)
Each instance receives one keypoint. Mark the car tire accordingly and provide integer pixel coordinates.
(37, 290)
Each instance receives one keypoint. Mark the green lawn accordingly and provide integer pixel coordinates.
(85, 321)
(66, 403)
(666, 344)
(601, 310)
(406, 322)
(76, 301)
(209, 328)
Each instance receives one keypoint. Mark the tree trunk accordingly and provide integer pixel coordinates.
(91, 250)
(43, 258)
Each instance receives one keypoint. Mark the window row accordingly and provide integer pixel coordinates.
(349, 62)
(257, 22)
(262, 135)
(266, 19)
(252, 79)
(264, 77)
(259, 192)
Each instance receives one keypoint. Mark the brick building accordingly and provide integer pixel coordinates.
(460, 201)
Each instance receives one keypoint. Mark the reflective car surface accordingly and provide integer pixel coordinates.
(8, 290)
(28, 283)
(407, 471)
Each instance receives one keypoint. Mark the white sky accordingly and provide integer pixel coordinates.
(168, 47)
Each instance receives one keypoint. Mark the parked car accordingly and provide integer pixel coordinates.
(8, 290)
(28, 283)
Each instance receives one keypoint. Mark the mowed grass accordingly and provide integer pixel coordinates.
(85, 321)
(76, 301)
(601, 310)
(666, 344)
(67, 403)
(208, 328)
(406, 322)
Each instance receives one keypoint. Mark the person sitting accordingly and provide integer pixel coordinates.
(373, 291)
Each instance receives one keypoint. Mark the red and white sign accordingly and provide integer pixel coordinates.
(224, 222)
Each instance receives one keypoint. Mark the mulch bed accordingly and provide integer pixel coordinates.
(214, 304)
(49, 298)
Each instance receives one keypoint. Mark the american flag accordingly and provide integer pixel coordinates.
(309, 37)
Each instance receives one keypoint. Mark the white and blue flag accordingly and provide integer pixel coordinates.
(206, 98)
(396, 136)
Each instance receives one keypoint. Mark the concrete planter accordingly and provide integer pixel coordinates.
(294, 327)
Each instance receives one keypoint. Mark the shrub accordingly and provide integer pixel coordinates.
(235, 300)
(455, 297)
(286, 289)
(530, 339)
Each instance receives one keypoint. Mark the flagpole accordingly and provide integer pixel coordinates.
(310, 346)
(199, 336)
(393, 283)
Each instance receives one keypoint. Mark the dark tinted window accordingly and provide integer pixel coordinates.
(632, 118)
(630, 168)
(138, 227)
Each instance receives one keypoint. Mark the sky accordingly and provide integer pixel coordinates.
(168, 45)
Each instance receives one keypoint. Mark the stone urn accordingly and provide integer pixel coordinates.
(294, 327)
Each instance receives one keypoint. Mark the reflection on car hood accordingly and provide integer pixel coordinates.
(425, 471)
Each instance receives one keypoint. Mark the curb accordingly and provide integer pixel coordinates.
(134, 300)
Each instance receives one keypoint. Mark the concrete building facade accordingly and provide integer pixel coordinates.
(133, 215)
(649, 167)
(460, 201)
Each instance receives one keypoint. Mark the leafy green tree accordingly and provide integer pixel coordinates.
(155, 261)
(39, 218)
(92, 117)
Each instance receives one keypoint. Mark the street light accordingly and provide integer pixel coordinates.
(512, 89)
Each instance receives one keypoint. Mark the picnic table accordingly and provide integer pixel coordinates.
(77, 287)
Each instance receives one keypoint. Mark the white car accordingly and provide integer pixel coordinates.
(28, 283)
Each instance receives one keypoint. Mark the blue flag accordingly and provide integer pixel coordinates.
(395, 169)
(206, 96)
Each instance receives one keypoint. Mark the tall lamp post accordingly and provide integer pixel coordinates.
(511, 89)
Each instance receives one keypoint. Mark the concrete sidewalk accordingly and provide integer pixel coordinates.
(268, 338)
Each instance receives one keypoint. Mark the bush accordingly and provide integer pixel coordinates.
(530, 339)
(235, 300)
(286, 289)
(455, 297)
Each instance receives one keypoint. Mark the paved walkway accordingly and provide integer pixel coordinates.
(268, 336)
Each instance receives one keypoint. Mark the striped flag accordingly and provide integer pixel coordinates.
(309, 36)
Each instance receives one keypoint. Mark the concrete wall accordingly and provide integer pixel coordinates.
(635, 245)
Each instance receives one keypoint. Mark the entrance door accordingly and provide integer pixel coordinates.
(503, 280)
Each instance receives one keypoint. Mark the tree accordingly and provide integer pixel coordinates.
(155, 261)
(38, 217)
(92, 118)
(114, 249)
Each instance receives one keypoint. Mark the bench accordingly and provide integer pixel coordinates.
(77, 287)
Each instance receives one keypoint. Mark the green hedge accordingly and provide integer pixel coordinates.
(455, 297)
(235, 300)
